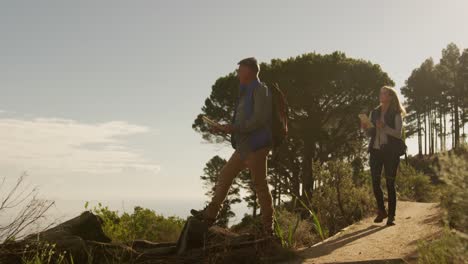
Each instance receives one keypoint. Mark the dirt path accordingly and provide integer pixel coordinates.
(368, 241)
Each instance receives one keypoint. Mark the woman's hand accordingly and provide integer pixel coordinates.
(380, 124)
(364, 125)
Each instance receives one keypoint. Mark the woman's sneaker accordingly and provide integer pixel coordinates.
(381, 215)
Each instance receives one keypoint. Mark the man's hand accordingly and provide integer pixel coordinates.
(227, 129)
(223, 129)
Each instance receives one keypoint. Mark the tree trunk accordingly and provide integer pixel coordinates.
(441, 134)
(425, 133)
(463, 118)
(434, 131)
(430, 131)
(279, 193)
(453, 128)
(419, 135)
(457, 124)
(307, 175)
(445, 130)
(254, 207)
(295, 186)
(338, 197)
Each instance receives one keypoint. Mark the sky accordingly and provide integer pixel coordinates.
(97, 98)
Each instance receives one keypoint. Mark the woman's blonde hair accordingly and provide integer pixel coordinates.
(395, 103)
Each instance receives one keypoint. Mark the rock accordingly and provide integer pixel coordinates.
(82, 237)
(86, 226)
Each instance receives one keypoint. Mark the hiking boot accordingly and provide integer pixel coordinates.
(381, 215)
(200, 215)
(391, 221)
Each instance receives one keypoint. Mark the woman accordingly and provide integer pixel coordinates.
(385, 139)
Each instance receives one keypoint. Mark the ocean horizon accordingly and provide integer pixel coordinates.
(66, 209)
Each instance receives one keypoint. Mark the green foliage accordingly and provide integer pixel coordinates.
(337, 200)
(436, 96)
(44, 253)
(211, 172)
(141, 224)
(289, 227)
(315, 220)
(413, 185)
(448, 249)
(426, 164)
(452, 246)
(248, 224)
(293, 231)
(454, 170)
(246, 182)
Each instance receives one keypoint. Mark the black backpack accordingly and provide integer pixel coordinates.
(280, 111)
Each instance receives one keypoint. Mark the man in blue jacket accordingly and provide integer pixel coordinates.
(251, 137)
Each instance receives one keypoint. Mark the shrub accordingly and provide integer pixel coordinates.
(337, 200)
(289, 227)
(44, 253)
(248, 224)
(450, 248)
(141, 224)
(414, 185)
(454, 171)
(293, 231)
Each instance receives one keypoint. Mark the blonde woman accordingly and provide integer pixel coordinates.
(385, 148)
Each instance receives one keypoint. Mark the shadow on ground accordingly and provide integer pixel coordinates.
(329, 246)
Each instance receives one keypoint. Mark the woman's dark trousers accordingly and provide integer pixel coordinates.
(389, 161)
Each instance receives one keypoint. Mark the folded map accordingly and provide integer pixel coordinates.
(210, 122)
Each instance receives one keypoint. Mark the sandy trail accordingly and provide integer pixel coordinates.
(368, 241)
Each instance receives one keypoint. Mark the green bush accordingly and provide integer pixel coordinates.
(452, 246)
(44, 253)
(413, 185)
(293, 231)
(248, 224)
(141, 224)
(448, 249)
(338, 200)
(454, 171)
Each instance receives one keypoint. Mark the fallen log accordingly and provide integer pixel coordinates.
(83, 239)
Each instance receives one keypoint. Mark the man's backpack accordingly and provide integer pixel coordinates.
(280, 113)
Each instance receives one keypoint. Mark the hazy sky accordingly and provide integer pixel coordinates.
(97, 98)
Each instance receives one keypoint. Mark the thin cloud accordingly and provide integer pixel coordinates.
(63, 145)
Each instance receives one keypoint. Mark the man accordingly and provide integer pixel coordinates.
(251, 137)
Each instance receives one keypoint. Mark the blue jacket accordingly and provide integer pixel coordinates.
(252, 118)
